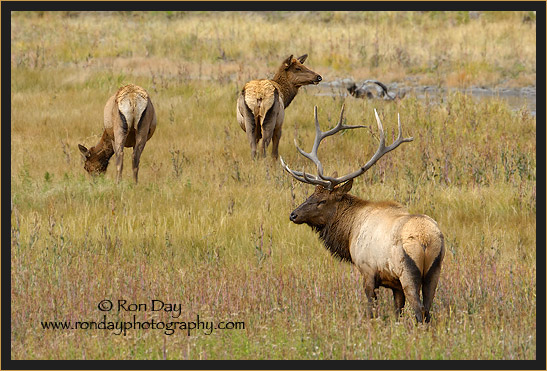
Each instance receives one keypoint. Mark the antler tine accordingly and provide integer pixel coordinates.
(325, 181)
(330, 182)
(399, 139)
(382, 149)
(312, 156)
(303, 176)
(297, 174)
(339, 126)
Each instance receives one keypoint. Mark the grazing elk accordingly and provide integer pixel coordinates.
(261, 103)
(129, 121)
(390, 246)
(365, 91)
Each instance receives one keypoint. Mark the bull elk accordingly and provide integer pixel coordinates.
(261, 103)
(129, 121)
(391, 247)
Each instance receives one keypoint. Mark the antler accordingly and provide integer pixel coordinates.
(330, 182)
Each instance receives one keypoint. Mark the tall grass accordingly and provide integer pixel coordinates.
(447, 48)
(208, 228)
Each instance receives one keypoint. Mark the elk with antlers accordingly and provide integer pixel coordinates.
(391, 247)
(261, 103)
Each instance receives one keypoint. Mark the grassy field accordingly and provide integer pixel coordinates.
(208, 228)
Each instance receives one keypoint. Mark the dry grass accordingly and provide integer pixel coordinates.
(448, 48)
(208, 228)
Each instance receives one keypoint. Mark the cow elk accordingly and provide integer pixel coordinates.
(390, 247)
(261, 103)
(129, 121)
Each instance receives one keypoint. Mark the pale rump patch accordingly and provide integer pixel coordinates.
(421, 240)
(259, 96)
(418, 236)
(132, 101)
(391, 247)
(261, 104)
(129, 121)
(130, 91)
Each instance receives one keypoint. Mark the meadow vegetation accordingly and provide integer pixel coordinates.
(208, 227)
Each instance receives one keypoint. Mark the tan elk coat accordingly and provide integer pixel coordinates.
(390, 246)
(129, 121)
(261, 104)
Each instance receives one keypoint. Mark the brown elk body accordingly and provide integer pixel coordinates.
(261, 103)
(391, 247)
(129, 121)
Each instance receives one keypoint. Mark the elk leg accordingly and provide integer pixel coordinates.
(411, 280)
(429, 286)
(275, 142)
(119, 144)
(140, 142)
(266, 138)
(277, 129)
(259, 134)
(250, 129)
(263, 147)
(411, 288)
(399, 300)
(370, 292)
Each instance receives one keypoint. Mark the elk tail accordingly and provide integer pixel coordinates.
(259, 99)
(259, 118)
(269, 109)
(433, 253)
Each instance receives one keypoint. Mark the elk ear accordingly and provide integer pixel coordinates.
(344, 188)
(287, 63)
(85, 152)
(302, 58)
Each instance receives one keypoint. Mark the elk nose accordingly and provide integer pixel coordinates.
(319, 78)
(292, 217)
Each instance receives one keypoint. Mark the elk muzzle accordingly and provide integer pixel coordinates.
(305, 214)
(294, 218)
(317, 80)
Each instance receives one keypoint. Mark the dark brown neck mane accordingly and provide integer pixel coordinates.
(104, 150)
(337, 233)
(288, 89)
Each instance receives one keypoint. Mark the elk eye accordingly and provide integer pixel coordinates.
(322, 202)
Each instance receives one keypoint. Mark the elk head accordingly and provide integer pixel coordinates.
(320, 207)
(95, 162)
(297, 73)
(317, 210)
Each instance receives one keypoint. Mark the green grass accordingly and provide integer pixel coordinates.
(208, 228)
